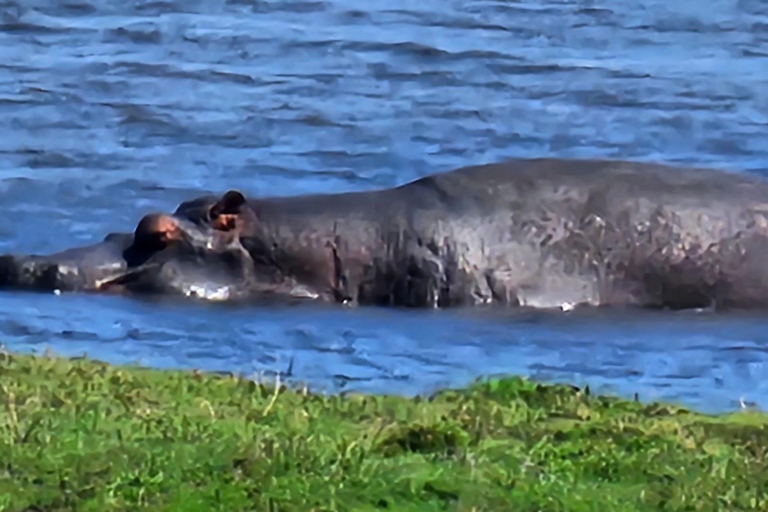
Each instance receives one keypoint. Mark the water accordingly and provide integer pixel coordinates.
(110, 109)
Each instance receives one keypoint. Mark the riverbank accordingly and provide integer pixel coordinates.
(83, 434)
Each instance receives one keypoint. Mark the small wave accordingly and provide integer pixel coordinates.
(138, 33)
(164, 71)
(288, 6)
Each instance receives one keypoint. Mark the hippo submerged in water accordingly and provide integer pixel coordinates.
(538, 233)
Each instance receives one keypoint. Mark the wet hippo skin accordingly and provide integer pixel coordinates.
(542, 233)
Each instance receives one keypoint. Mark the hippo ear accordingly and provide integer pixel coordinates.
(230, 204)
(226, 212)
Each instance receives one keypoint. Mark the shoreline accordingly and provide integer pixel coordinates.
(79, 433)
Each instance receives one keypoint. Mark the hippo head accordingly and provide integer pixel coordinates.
(285, 263)
(195, 252)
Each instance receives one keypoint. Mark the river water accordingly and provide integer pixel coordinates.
(110, 109)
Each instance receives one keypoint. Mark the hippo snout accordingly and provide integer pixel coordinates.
(78, 269)
(8, 274)
(33, 273)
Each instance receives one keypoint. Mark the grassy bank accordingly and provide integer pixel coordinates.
(88, 436)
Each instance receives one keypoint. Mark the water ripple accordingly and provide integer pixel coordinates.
(111, 109)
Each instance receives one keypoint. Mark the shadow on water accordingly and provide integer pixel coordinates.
(109, 110)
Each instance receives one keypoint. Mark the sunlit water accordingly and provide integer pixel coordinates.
(110, 109)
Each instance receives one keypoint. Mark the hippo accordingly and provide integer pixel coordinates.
(165, 255)
(540, 233)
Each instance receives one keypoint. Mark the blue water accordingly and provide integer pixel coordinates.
(110, 109)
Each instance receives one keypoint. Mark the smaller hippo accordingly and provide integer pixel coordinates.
(166, 255)
(543, 233)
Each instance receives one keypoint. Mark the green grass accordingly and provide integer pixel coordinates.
(80, 434)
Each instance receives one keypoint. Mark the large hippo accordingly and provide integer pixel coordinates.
(541, 233)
